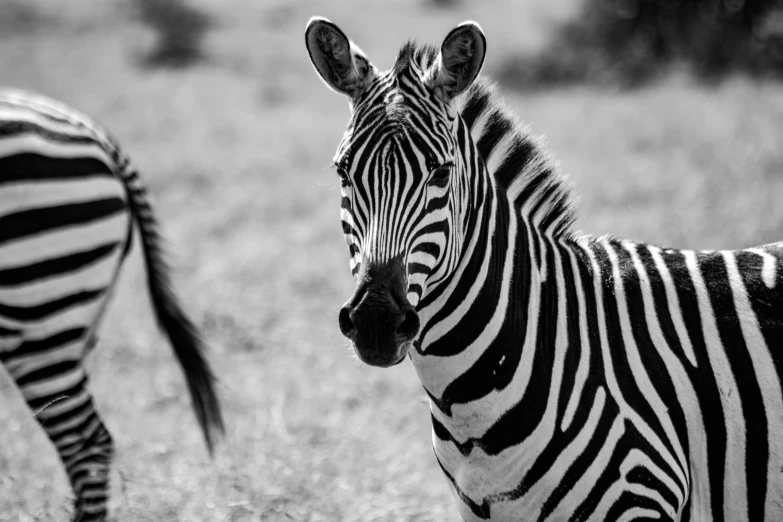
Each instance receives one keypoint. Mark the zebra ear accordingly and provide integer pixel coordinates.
(339, 62)
(459, 62)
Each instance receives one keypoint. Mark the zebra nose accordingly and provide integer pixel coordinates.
(409, 326)
(405, 322)
(347, 326)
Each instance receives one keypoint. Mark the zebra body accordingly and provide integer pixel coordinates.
(640, 392)
(68, 204)
(570, 377)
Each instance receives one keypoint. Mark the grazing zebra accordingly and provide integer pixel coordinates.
(570, 377)
(68, 201)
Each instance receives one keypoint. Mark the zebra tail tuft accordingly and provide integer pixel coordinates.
(185, 339)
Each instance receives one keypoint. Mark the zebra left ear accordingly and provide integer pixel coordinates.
(459, 62)
(339, 61)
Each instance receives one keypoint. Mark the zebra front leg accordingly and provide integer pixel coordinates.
(58, 395)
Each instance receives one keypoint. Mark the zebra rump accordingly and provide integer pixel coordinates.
(68, 203)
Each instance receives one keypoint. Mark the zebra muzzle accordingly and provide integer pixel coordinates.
(379, 320)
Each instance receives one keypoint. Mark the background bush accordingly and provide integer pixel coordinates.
(180, 29)
(631, 41)
(17, 16)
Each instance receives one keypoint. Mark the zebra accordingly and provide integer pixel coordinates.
(69, 200)
(569, 376)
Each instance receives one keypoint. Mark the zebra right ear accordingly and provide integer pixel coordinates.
(459, 62)
(339, 62)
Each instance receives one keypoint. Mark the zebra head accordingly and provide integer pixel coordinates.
(404, 175)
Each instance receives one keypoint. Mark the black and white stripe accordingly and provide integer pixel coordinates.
(68, 202)
(570, 377)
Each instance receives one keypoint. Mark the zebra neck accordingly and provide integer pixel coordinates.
(502, 391)
(473, 335)
(490, 347)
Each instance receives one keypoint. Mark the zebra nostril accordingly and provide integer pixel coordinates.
(409, 326)
(347, 327)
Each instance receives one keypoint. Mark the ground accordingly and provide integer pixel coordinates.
(236, 154)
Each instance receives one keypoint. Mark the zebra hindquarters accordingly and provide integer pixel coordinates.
(64, 228)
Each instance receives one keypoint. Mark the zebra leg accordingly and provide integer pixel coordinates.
(62, 404)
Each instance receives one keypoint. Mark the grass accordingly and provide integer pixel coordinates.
(235, 152)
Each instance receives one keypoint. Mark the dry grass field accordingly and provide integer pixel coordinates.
(236, 152)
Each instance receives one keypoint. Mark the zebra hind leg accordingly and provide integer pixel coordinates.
(63, 406)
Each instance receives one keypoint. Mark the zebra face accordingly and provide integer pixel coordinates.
(403, 176)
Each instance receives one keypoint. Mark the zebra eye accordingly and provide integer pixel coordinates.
(345, 181)
(440, 175)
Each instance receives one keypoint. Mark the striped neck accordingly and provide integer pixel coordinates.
(482, 325)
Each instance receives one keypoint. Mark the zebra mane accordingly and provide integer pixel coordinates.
(518, 159)
(423, 56)
(515, 157)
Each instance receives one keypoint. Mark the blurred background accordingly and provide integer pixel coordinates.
(668, 116)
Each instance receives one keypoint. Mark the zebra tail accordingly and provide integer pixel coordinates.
(185, 339)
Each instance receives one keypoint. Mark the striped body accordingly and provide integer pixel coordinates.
(647, 387)
(65, 227)
(570, 377)
(68, 202)
(608, 379)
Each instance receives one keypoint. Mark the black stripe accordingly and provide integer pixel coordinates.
(77, 410)
(610, 474)
(702, 377)
(40, 402)
(42, 345)
(34, 107)
(643, 476)
(631, 439)
(482, 308)
(56, 266)
(661, 303)
(476, 103)
(651, 359)
(417, 268)
(415, 288)
(573, 311)
(443, 433)
(580, 465)
(37, 220)
(713, 269)
(31, 166)
(496, 129)
(488, 373)
(515, 160)
(482, 207)
(428, 248)
(41, 311)
(766, 302)
(559, 440)
(623, 370)
(7, 332)
(628, 501)
(19, 126)
(47, 372)
(482, 510)
(437, 203)
(468, 277)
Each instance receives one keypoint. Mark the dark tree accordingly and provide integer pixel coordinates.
(629, 41)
